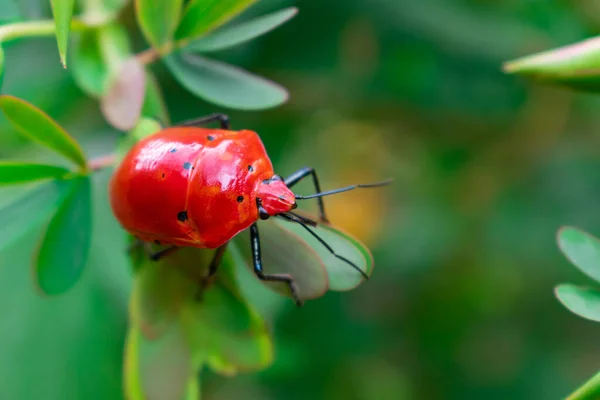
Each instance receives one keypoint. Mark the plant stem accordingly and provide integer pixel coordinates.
(33, 28)
(150, 55)
(105, 161)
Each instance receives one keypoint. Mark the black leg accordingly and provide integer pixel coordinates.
(153, 255)
(301, 174)
(258, 269)
(157, 255)
(212, 270)
(216, 260)
(222, 118)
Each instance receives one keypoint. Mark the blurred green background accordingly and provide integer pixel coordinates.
(486, 167)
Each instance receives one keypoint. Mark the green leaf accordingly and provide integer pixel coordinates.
(584, 302)
(122, 103)
(62, 10)
(161, 289)
(193, 389)
(30, 209)
(39, 127)
(285, 252)
(158, 19)
(576, 65)
(342, 276)
(8, 11)
(2, 66)
(97, 55)
(224, 84)
(231, 36)
(154, 103)
(581, 249)
(224, 331)
(65, 245)
(157, 369)
(14, 173)
(81, 331)
(590, 390)
(202, 16)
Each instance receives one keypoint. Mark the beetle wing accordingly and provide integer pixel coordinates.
(285, 252)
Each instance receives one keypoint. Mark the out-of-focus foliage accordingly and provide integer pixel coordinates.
(488, 166)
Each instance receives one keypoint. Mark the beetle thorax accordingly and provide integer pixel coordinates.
(275, 197)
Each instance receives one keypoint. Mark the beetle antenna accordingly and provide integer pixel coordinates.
(345, 189)
(294, 218)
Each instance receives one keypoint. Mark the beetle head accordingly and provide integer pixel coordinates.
(274, 197)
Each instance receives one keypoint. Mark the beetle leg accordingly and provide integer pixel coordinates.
(301, 174)
(157, 255)
(258, 269)
(212, 270)
(222, 118)
(214, 264)
(136, 243)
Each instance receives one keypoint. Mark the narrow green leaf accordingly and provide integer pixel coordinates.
(231, 36)
(122, 103)
(285, 252)
(581, 249)
(342, 276)
(202, 16)
(590, 390)
(96, 55)
(582, 301)
(154, 103)
(224, 331)
(224, 84)
(37, 126)
(14, 173)
(30, 209)
(62, 10)
(158, 19)
(576, 65)
(65, 245)
(157, 369)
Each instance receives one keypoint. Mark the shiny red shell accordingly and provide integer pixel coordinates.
(195, 187)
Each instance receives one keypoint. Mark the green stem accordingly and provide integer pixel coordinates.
(33, 29)
(589, 391)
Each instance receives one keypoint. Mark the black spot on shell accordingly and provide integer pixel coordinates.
(210, 138)
(182, 216)
(157, 242)
(173, 150)
(240, 199)
(187, 165)
(250, 168)
(163, 174)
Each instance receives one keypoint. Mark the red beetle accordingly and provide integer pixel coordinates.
(187, 186)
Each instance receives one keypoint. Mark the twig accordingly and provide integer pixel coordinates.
(105, 161)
